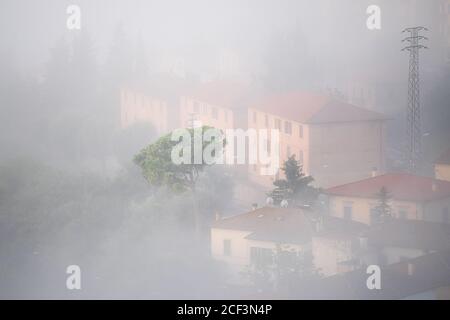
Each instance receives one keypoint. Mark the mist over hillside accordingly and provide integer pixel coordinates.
(71, 190)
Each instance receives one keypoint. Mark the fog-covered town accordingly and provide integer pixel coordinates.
(225, 149)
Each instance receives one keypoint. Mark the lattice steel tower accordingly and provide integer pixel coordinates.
(413, 122)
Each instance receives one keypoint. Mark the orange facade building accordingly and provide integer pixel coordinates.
(335, 141)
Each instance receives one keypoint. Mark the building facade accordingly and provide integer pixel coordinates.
(442, 166)
(336, 142)
(411, 197)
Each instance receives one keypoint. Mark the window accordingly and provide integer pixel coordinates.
(225, 115)
(268, 146)
(266, 120)
(260, 257)
(288, 151)
(227, 247)
(348, 208)
(205, 109)
(445, 215)
(300, 131)
(287, 127)
(255, 116)
(215, 114)
(278, 124)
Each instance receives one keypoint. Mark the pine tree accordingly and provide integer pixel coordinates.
(383, 211)
(295, 187)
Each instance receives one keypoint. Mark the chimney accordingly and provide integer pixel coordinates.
(411, 269)
(217, 216)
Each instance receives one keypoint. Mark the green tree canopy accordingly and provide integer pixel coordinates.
(159, 168)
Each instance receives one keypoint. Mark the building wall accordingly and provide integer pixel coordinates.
(239, 257)
(328, 253)
(442, 171)
(437, 210)
(361, 208)
(344, 152)
(136, 107)
(294, 140)
(434, 211)
(207, 114)
(239, 246)
(333, 153)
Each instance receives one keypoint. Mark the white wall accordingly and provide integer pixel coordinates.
(327, 253)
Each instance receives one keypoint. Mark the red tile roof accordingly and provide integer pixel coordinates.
(401, 186)
(444, 158)
(271, 224)
(305, 107)
(289, 225)
(313, 108)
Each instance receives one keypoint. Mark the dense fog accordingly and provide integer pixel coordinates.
(70, 190)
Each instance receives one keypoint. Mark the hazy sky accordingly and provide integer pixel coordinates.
(29, 28)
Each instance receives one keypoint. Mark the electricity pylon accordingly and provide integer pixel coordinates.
(413, 119)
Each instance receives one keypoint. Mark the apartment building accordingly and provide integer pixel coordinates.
(411, 197)
(442, 166)
(335, 245)
(253, 238)
(335, 141)
(157, 103)
(214, 104)
(139, 107)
